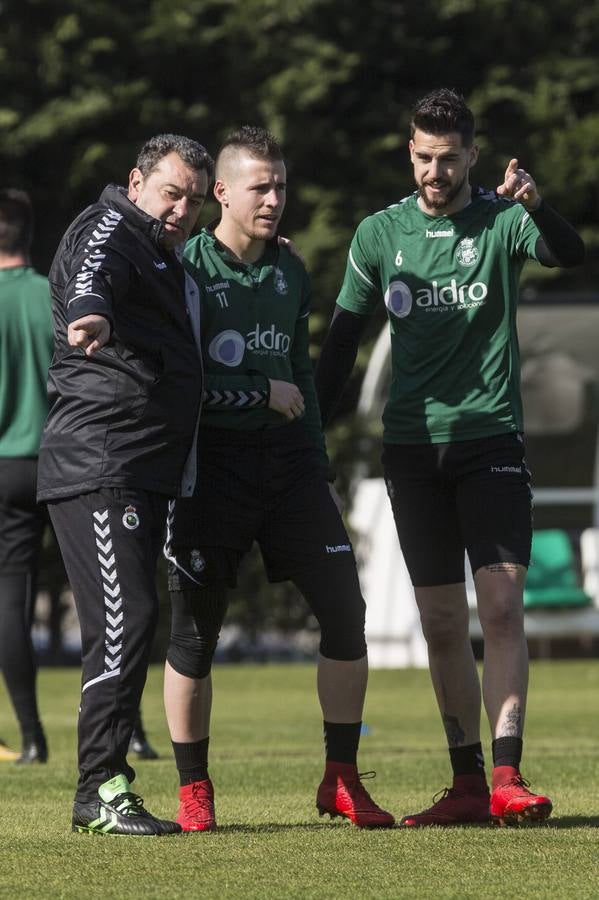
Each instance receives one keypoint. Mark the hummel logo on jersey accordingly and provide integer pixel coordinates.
(339, 548)
(516, 470)
(159, 264)
(220, 289)
(440, 233)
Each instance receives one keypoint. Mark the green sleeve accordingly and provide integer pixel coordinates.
(520, 232)
(361, 290)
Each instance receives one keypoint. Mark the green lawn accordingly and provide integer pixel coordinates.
(266, 763)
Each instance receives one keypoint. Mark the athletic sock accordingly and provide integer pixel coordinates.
(507, 753)
(191, 761)
(341, 741)
(467, 760)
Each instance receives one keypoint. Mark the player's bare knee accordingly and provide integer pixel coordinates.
(443, 629)
(502, 616)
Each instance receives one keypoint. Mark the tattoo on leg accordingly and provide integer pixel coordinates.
(511, 726)
(503, 567)
(454, 731)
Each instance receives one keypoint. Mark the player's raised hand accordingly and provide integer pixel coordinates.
(519, 185)
(286, 398)
(89, 332)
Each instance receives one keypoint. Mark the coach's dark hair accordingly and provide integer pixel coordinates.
(193, 154)
(16, 222)
(257, 141)
(443, 111)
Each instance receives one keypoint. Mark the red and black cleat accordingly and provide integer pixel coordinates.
(196, 806)
(465, 803)
(342, 793)
(513, 804)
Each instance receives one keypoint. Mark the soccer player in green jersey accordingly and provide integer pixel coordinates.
(446, 262)
(26, 344)
(262, 476)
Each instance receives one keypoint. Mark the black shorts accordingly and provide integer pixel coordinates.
(472, 496)
(265, 486)
(22, 519)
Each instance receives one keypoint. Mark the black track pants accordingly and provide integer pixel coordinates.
(110, 540)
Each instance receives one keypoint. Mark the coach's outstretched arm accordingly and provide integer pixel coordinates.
(90, 333)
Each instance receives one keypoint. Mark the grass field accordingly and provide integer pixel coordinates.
(266, 762)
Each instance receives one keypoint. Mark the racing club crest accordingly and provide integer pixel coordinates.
(280, 283)
(130, 518)
(467, 254)
(197, 561)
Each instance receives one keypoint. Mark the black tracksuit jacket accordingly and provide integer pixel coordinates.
(126, 416)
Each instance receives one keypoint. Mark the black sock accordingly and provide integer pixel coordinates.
(507, 751)
(192, 761)
(341, 741)
(467, 760)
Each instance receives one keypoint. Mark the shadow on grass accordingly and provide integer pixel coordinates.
(277, 827)
(562, 822)
(573, 822)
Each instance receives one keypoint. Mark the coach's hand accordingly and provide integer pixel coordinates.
(520, 185)
(286, 398)
(89, 332)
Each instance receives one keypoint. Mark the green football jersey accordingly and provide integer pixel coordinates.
(254, 325)
(450, 286)
(26, 347)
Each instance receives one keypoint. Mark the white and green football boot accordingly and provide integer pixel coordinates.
(118, 811)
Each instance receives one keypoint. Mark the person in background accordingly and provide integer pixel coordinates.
(25, 354)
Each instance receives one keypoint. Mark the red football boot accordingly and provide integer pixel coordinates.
(465, 803)
(341, 793)
(196, 806)
(512, 803)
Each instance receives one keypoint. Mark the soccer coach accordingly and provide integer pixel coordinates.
(125, 391)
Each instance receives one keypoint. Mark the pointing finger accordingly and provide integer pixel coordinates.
(512, 166)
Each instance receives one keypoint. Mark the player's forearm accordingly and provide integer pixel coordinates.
(559, 244)
(337, 359)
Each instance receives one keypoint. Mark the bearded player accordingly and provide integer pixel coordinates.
(446, 261)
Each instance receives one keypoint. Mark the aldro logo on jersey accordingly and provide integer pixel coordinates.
(229, 346)
(399, 298)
